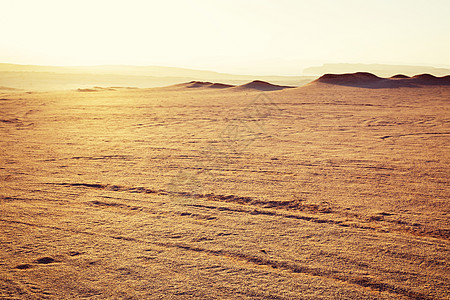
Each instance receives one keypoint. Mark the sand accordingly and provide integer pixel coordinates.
(319, 192)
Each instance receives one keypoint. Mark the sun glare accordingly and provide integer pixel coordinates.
(224, 35)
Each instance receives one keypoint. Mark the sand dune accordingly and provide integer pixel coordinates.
(256, 85)
(200, 85)
(96, 89)
(215, 85)
(261, 86)
(369, 80)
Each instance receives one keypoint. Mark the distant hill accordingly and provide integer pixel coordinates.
(377, 69)
(53, 77)
(369, 80)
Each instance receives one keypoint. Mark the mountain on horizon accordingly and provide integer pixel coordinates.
(36, 77)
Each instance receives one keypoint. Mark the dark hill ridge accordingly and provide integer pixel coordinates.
(400, 76)
(427, 79)
(369, 80)
(220, 86)
(355, 78)
(381, 70)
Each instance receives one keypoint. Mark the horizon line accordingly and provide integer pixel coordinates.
(300, 74)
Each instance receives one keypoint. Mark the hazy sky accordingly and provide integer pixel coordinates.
(253, 37)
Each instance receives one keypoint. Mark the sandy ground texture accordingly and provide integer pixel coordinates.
(318, 192)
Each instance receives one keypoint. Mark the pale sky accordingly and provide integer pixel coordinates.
(247, 36)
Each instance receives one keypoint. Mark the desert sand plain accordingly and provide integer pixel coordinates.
(207, 191)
